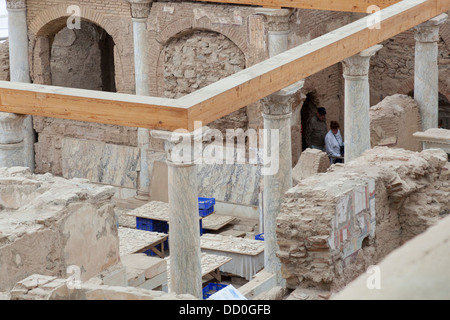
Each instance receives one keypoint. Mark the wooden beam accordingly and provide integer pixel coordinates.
(92, 106)
(331, 5)
(224, 96)
(256, 82)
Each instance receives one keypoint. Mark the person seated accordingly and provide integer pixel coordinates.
(334, 144)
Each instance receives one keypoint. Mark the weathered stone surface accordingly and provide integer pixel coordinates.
(48, 224)
(150, 266)
(311, 161)
(393, 122)
(45, 288)
(100, 162)
(418, 270)
(333, 225)
(231, 183)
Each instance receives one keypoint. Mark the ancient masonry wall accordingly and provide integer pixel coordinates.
(192, 45)
(393, 122)
(49, 224)
(332, 226)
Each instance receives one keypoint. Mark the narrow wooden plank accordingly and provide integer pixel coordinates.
(330, 5)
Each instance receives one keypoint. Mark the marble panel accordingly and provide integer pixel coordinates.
(100, 162)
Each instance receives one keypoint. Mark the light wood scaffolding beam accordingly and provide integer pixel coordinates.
(224, 96)
(331, 5)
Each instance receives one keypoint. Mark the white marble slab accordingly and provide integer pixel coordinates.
(100, 162)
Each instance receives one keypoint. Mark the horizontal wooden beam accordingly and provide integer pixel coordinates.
(330, 5)
(92, 106)
(224, 96)
(256, 82)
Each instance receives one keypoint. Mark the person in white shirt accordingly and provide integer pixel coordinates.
(334, 144)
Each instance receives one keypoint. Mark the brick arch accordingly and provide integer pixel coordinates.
(188, 25)
(51, 20)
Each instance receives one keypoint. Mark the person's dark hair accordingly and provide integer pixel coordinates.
(334, 125)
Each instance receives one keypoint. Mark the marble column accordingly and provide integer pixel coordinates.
(277, 29)
(426, 86)
(357, 103)
(140, 10)
(277, 112)
(184, 223)
(20, 72)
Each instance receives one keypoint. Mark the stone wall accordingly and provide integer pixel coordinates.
(4, 61)
(48, 224)
(393, 122)
(192, 45)
(333, 225)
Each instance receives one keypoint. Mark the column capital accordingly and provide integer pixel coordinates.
(358, 65)
(279, 104)
(11, 128)
(182, 148)
(16, 4)
(277, 19)
(429, 30)
(140, 9)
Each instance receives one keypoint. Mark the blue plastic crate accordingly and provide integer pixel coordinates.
(212, 288)
(151, 225)
(260, 237)
(205, 212)
(206, 203)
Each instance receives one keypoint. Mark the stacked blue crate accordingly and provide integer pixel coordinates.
(206, 206)
(212, 288)
(155, 226)
(260, 237)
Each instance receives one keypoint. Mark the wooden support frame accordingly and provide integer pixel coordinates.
(224, 96)
(330, 5)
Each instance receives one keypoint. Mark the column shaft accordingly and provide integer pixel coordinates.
(275, 183)
(18, 45)
(184, 238)
(184, 223)
(426, 82)
(357, 103)
(20, 72)
(277, 113)
(141, 67)
(357, 121)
